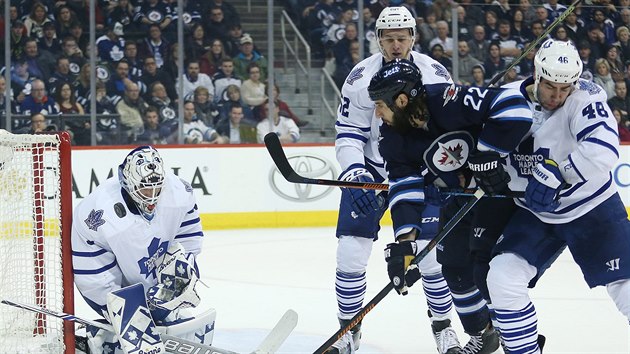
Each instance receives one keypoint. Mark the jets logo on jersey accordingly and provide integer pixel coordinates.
(95, 219)
(450, 94)
(448, 152)
(355, 75)
(148, 265)
(441, 71)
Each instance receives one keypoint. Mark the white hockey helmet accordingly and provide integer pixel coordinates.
(558, 62)
(142, 175)
(395, 17)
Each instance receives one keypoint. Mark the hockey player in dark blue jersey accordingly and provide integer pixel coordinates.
(430, 133)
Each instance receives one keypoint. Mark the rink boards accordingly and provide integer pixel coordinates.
(239, 186)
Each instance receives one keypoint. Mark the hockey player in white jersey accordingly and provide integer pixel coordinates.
(571, 201)
(138, 233)
(360, 211)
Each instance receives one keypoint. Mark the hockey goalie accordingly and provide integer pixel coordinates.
(134, 243)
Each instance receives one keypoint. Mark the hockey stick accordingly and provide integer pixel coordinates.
(381, 295)
(533, 44)
(176, 345)
(274, 147)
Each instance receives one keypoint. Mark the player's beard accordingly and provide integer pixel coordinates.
(413, 116)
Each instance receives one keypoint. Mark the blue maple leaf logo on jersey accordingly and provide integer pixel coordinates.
(355, 75)
(155, 252)
(441, 71)
(95, 219)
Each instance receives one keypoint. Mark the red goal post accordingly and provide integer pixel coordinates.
(35, 252)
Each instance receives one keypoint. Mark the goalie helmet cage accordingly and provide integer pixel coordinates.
(35, 252)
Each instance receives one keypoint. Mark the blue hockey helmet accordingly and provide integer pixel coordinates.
(396, 77)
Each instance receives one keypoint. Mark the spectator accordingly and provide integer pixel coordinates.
(159, 99)
(82, 88)
(519, 28)
(560, 33)
(123, 12)
(443, 39)
(341, 49)
(537, 30)
(67, 104)
(596, 40)
(605, 24)
(197, 44)
(35, 21)
(620, 100)
(218, 25)
(543, 16)
(153, 12)
(196, 131)
(233, 43)
(479, 45)
(494, 63)
(464, 31)
(21, 80)
(623, 42)
(474, 13)
(511, 46)
(41, 63)
(229, 11)
(588, 62)
(107, 126)
(18, 40)
(428, 28)
(285, 110)
(575, 29)
(478, 76)
(205, 109)
(603, 78)
(64, 20)
(437, 53)
(529, 14)
(490, 25)
(615, 63)
(287, 130)
(338, 29)
(247, 56)
(151, 74)
(192, 16)
(152, 134)
(3, 103)
(345, 61)
(194, 79)
(154, 45)
(83, 39)
(625, 17)
(49, 41)
(235, 129)
(131, 56)
(466, 63)
(131, 110)
(62, 74)
(71, 50)
(170, 67)
(231, 98)
(253, 89)
(211, 60)
(224, 78)
(117, 84)
(554, 9)
(623, 127)
(110, 45)
(38, 124)
(37, 101)
(501, 8)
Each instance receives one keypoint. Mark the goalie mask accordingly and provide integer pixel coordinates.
(142, 176)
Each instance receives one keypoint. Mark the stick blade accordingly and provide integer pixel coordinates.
(278, 334)
(272, 142)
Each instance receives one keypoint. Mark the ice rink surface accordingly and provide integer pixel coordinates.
(255, 275)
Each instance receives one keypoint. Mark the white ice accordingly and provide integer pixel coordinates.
(255, 275)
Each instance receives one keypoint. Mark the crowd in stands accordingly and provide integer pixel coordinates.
(137, 73)
(491, 33)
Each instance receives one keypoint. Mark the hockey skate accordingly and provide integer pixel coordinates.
(445, 337)
(349, 343)
(541, 343)
(485, 342)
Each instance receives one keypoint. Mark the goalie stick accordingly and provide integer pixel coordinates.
(274, 147)
(381, 294)
(175, 345)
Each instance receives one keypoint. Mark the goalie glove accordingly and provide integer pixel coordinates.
(364, 201)
(177, 277)
(401, 272)
(543, 190)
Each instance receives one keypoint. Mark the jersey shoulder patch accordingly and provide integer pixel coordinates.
(440, 70)
(590, 87)
(355, 75)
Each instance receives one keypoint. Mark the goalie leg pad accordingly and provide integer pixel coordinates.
(129, 315)
(198, 329)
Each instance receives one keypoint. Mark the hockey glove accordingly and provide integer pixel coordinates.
(399, 268)
(488, 171)
(543, 190)
(364, 201)
(433, 196)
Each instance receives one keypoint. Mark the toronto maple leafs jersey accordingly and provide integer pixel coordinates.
(113, 246)
(357, 127)
(582, 137)
(494, 118)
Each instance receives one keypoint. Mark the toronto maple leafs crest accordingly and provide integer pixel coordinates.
(355, 75)
(589, 86)
(95, 219)
(155, 251)
(449, 152)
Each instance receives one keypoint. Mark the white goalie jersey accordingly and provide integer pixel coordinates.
(581, 136)
(113, 247)
(357, 127)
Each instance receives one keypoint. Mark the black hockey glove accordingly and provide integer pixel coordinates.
(488, 171)
(401, 272)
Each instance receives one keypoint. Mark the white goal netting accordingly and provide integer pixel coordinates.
(31, 269)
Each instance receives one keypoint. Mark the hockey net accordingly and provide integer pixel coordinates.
(35, 254)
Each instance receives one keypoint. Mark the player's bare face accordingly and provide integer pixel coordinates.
(551, 95)
(383, 112)
(396, 43)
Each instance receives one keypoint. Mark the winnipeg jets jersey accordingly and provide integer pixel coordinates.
(494, 118)
(113, 246)
(357, 127)
(582, 137)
